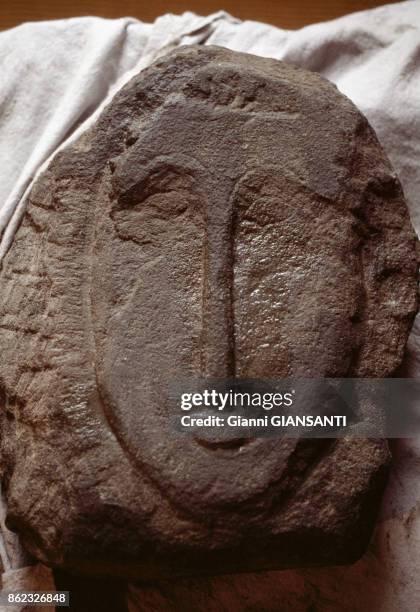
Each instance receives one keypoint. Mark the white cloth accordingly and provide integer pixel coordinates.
(31, 578)
(54, 78)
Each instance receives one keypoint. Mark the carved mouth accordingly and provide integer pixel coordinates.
(225, 444)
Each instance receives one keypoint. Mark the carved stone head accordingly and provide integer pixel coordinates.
(227, 216)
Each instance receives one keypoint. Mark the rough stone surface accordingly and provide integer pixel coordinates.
(227, 216)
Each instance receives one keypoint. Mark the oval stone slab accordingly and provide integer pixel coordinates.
(227, 216)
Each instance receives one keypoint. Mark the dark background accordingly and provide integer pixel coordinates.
(289, 14)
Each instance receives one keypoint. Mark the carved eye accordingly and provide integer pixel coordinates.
(259, 210)
(159, 205)
(155, 203)
(164, 180)
(260, 202)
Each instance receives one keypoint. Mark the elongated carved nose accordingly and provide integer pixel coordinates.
(217, 346)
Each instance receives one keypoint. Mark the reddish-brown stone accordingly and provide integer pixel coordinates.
(226, 216)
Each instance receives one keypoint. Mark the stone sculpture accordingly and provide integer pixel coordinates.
(226, 216)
